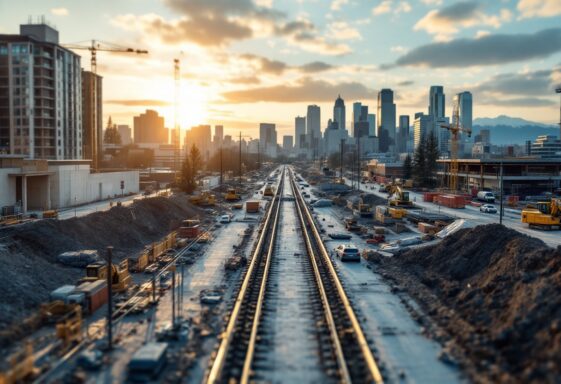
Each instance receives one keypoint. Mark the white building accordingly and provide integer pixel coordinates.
(547, 147)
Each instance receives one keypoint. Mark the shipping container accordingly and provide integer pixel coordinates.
(188, 232)
(96, 294)
(62, 293)
(252, 206)
(429, 196)
(427, 228)
(451, 201)
(148, 362)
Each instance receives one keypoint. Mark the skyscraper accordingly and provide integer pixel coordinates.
(357, 110)
(200, 137)
(437, 101)
(218, 134)
(300, 132)
(40, 95)
(463, 107)
(149, 128)
(371, 124)
(125, 132)
(386, 120)
(403, 134)
(92, 130)
(313, 129)
(423, 125)
(268, 139)
(287, 143)
(339, 114)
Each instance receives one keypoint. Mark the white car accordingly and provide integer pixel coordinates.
(224, 219)
(347, 252)
(488, 208)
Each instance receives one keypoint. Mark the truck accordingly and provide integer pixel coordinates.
(252, 206)
(148, 362)
(486, 196)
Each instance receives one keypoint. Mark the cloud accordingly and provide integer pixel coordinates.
(539, 8)
(341, 30)
(526, 102)
(405, 83)
(337, 4)
(537, 83)
(275, 67)
(315, 66)
(448, 20)
(432, 2)
(303, 33)
(486, 50)
(60, 11)
(139, 102)
(245, 80)
(389, 6)
(305, 90)
(398, 49)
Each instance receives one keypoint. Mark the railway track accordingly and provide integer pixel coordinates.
(346, 358)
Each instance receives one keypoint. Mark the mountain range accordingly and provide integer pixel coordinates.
(512, 130)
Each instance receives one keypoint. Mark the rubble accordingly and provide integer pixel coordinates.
(494, 295)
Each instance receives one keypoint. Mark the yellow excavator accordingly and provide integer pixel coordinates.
(546, 215)
(398, 197)
(204, 199)
(232, 195)
(120, 275)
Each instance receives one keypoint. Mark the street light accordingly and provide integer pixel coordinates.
(558, 90)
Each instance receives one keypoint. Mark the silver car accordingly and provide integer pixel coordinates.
(347, 252)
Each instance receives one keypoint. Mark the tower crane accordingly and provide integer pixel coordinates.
(96, 46)
(455, 129)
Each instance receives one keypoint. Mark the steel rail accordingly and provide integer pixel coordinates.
(215, 373)
(370, 362)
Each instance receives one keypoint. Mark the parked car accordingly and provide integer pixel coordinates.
(340, 236)
(90, 359)
(151, 269)
(347, 252)
(488, 208)
(224, 219)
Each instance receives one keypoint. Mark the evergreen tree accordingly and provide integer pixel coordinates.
(419, 163)
(407, 167)
(111, 134)
(431, 156)
(189, 169)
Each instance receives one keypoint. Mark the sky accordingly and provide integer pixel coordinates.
(250, 61)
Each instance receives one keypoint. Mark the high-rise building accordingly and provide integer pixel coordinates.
(149, 128)
(92, 130)
(126, 134)
(437, 101)
(300, 132)
(268, 139)
(357, 110)
(339, 114)
(463, 108)
(403, 134)
(40, 95)
(371, 124)
(287, 143)
(386, 121)
(200, 137)
(218, 134)
(313, 129)
(423, 126)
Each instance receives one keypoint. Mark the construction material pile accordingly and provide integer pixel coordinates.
(29, 252)
(494, 294)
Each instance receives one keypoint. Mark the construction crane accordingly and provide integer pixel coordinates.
(96, 46)
(455, 130)
(176, 135)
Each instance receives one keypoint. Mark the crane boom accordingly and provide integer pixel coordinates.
(95, 46)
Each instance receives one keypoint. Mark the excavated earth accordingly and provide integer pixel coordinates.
(494, 295)
(28, 252)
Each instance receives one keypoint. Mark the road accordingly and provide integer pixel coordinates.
(511, 218)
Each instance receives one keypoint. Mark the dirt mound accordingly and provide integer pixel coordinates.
(28, 252)
(495, 293)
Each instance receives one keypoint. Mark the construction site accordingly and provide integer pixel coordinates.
(207, 286)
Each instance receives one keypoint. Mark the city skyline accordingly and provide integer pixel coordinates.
(288, 55)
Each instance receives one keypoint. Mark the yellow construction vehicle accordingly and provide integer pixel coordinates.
(52, 214)
(398, 197)
(20, 366)
(269, 190)
(204, 199)
(397, 213)
(120, 274)
(232, 195)
(546, 215)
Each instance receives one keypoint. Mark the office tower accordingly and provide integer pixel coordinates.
(300, 132)
(268, 139)
(423, 125)
(371, 118)
(443, 135)
(386, 120)
(361, 129)
(92, 129)
(339, 114)
(149, 128)
(313, 129)
(364, 113)
(357, 110)
(218, 134)
(437, 101)
(126, 134)
(403, 134)
(287, 143)
(200, 137)
(463, 108)
(40, 95)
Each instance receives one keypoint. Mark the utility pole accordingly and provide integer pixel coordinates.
(240, 162)
(501, 197)
(258, 156)
(358, 163)
(558, 90)
(341, 162)
(173, 297)
(221, 169)
(109, 298)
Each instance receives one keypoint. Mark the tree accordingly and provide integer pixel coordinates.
(419, 163)
(111, 134)
(407, 167)
(189, 169)
(431, 154)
